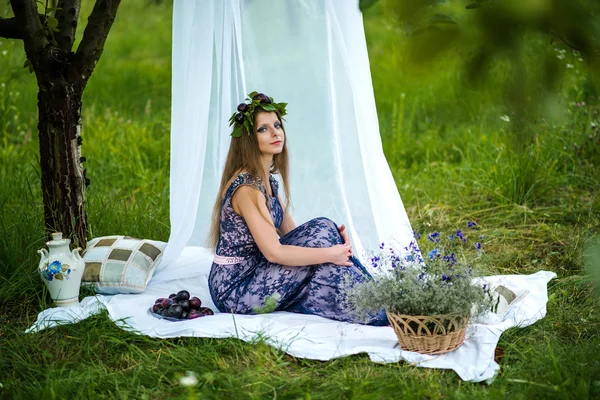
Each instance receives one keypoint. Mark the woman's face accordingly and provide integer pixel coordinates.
(269, 133)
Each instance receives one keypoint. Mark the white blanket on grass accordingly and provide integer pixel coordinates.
(310, 336)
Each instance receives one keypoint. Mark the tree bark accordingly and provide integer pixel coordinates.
(63, 176)
(94, 36)
(30, 26)
(62, 76)
(68, 17)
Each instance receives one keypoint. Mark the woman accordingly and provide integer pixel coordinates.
(260, 252)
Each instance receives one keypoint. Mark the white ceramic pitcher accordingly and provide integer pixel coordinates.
(62, 271)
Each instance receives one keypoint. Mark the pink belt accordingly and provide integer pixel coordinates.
(222, 260)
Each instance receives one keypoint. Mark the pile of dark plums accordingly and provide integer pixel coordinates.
(179, 305)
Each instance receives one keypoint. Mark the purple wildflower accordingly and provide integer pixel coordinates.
(434, 237)
(471, 224)
(413, 247)
(417, 235)
(382, 245)
(460, 235)
(433, 254)
(477, 245)
(450, 259)
(374, 261)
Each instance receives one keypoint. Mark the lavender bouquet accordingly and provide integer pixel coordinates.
(432, 276)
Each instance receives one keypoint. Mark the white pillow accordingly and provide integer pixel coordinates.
(120, 264)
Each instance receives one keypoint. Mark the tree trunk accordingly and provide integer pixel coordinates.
(63, 176)
(61, 76)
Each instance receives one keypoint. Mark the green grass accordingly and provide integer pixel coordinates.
(452, 157)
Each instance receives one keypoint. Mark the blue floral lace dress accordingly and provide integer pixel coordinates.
(314, 289)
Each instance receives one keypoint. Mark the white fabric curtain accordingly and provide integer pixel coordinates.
(311, 54)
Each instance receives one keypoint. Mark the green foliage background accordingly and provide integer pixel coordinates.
(455, 154)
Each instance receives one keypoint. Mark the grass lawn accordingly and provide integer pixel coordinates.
(537, 206)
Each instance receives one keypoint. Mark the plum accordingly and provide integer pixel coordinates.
(262, 97)
(195, 303)
(172, 295)
(194, 314)
(185, 304)
(207, 311)
(156, 307)
(242, 107)
(175, 311)
(183, 295)
(166, 303)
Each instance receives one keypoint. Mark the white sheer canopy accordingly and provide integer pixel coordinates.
(311, 54)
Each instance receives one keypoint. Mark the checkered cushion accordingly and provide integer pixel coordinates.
(120, 264)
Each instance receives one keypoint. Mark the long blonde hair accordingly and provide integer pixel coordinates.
(244, 155)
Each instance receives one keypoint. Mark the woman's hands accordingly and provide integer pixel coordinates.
(341, 253)
(345, 235)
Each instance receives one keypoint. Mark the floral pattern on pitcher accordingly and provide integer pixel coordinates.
(55, 270)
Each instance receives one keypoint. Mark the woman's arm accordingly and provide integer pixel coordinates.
(288, 223)
(250, 204)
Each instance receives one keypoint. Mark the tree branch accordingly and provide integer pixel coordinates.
(9, 28)
(91, 46)
(556, 35)
(67, 16)
(28, 23)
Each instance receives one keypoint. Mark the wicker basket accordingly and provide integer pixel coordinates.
(434, 334)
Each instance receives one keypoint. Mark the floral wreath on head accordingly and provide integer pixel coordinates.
(244, 117)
